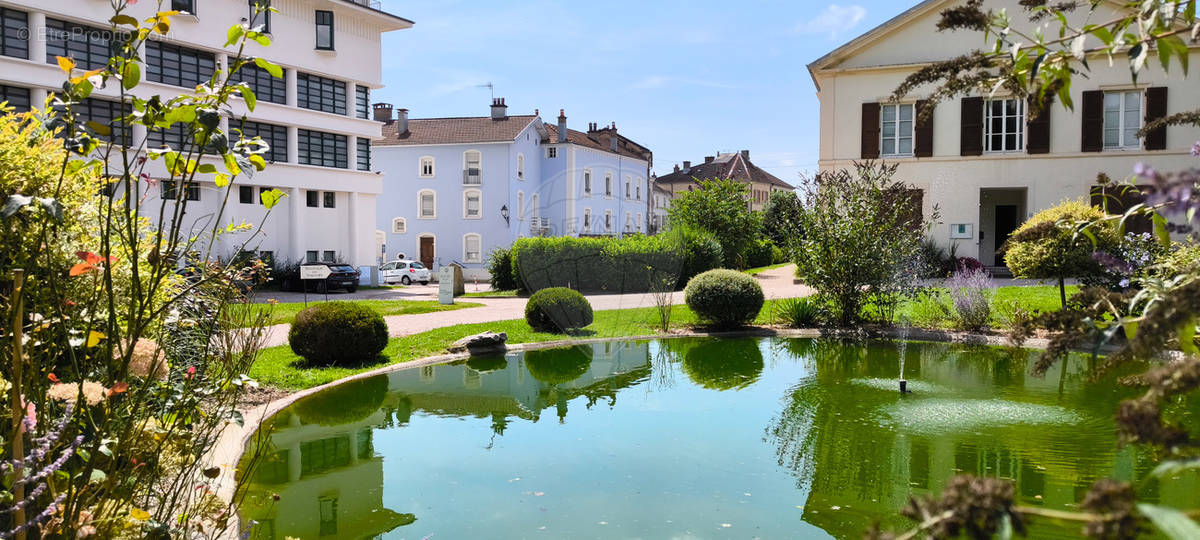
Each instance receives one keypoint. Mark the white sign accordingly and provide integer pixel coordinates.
(962, 230)
(314, 271)
(446, 285)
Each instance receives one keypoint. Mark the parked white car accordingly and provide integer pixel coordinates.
(404, 272)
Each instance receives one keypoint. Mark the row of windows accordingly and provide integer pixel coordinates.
(246, 194)
(472, 242)
(632, 221)
(18, 98)
(322, 149)
(14, 33)
(314, 199)
(274, 135)
(320, 93)
(178, 66)
(89, 47)
(472, 204)
(265, 86)
(608, 186)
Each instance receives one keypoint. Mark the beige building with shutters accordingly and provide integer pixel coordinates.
(981, 160)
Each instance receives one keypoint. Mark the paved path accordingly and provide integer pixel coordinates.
(776, 283)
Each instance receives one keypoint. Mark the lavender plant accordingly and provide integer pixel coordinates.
(26, 475)
(971, 295)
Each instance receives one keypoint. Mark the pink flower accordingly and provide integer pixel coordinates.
(1196, 149)
(191, 372)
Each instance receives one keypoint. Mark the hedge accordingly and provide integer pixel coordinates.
(623, 265)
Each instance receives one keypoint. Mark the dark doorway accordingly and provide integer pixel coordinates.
(1006, 223)
(427, 252)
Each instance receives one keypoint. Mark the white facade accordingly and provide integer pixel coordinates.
(294, 230)
(977, 195)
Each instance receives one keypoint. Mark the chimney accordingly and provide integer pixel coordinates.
(562, 126)
(499, 109)
(402, 120)
(383, 112)
(676, 167)
(612, 137)
(687, 165)
(746, 155)
(709, 159)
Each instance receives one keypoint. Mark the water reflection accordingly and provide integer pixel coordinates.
(721, 364)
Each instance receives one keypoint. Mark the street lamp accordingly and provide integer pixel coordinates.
(504, 213)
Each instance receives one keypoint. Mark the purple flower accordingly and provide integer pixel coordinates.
(1196, 149)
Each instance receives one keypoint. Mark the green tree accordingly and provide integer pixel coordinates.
(720, 207)
(1051, 245)
(859, 239)
(781, 218)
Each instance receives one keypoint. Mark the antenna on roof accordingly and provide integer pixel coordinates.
(489, 86)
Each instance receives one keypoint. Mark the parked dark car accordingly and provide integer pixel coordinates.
(342, 276)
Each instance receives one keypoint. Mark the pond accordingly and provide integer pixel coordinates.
(687, 438)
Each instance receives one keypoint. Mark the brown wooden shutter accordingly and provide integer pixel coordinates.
(971, 127)
(870, 131)
(1156, 107)
(923, 130)
(1092, 131)
(1037, 140)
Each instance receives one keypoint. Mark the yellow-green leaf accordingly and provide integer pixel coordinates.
(124, 19)
(258, 161)
(271, 68)
(131, 75)
(1187, 337)
(221, 180)
(65, 64)
(139, 514)
(234, 34)
(231, 164)
(207, 168)
(249, 97)
(271, 198)
(94, 338)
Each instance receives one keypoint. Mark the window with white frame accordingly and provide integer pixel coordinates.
(399, 225)
(472, 204)
(628, 222)
(534, 207)
(425, 170)
(587, 183)
(472, 250)
(896, 129)
(1004, 125)
(520, 205)
(608, 221)
(472, 171)
(587, 220)
(639, 189)
(1122, 119)
(637, 223)
(552, 152)
(520, 166)
(427, 204)
(628, 188)
(608, 185)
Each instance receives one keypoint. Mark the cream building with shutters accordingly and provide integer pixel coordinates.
(981, 160)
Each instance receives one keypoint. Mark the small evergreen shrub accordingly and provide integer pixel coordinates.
(501, 268)
(338, 333)
(701, 252)
(1181, 259)
(557, 309)
(346, 403)
(761, 253)
(559, 366)
(798, 312)
(724, 297)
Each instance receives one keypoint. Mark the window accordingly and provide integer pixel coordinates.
(89, 47)
(1004, 125)
(275, 136)
(246, 194)
(260, 14)
(330, 199)
(425, 170)
(178, 66)
(472, 252)
(266, 87)
(170, 190)
(897, 129)
(628, 190)
(628, 222)
(587, 183)
(329, 256)
(362, 101)
(552, 152)
(320, 94)
(18, 98)
(520, 205)
(535, 210)
(637, 223)
(312, 199)
(106, 113)
(322, 149)
(587, 220)
(178, 137)
(471, 168)
(1122, 119)
(520, 166)
(608, 221)
(186, 6)
(14, 33)
(427, 204)
(364, 153)
(639, 189)
(325, 30)
(472, 201)
(608, 185)
(311, 256)
(399, 225)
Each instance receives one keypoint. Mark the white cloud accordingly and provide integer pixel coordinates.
(653, 81)
(834, 20)
(662, 81)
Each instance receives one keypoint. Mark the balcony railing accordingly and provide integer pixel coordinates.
(373, 4)
(471, 177)
(539, 226)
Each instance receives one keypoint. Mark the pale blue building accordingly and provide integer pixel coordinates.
(456, 188)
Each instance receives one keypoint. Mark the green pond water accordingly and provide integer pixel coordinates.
(687, 439)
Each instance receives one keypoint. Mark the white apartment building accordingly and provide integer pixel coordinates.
(317, 117)
(981, 159)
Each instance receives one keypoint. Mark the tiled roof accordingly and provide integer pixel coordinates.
(600, 140)
(732, 165)
(454, 130)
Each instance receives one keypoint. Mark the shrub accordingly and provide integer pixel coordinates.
(971, 294)
(624, 265)
(346, 403)
(1129, 260)
(724, 297)
(719, 207)
(701, 253)
(341, 333)
(935, 261)
(798, 312)
(559, 366)
(1050, 246)
(781, 218)
(761, 253)
(1180, 260)
(968, 264)
(724, 364)
(557, 309)
(501, 268)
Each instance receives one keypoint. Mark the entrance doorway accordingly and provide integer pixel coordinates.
(427, 251)
(1001, 211)
(1006, 223)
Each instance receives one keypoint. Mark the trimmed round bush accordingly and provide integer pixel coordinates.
(724, 364)
(559, 366)
(557, 309)
(338, 333)
(724, 297)
(346, 403)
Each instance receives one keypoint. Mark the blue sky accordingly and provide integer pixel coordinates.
(685, 78)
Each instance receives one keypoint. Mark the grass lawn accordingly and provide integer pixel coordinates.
(491, 294)
(931, 311)
(761, 269)
(286, 313)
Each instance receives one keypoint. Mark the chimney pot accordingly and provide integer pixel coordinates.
(402, 118)
(562, 125)
(382, 112)
(676, 167)
(687, 164)
(746, 154)
(499, 109)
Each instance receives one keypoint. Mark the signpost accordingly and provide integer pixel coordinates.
(446, 285)
(314, 272)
